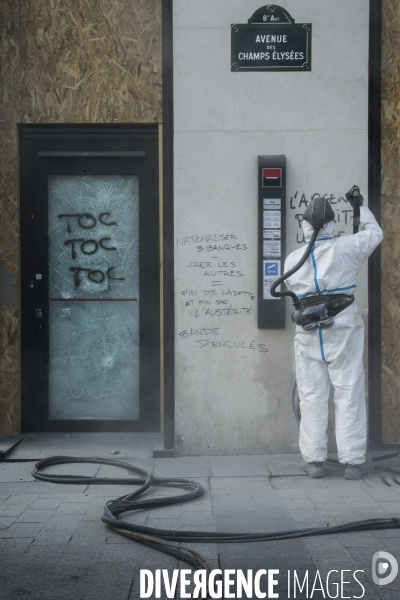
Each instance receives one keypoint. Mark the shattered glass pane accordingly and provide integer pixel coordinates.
(93, 281)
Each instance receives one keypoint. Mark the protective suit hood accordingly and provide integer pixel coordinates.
(326, 231)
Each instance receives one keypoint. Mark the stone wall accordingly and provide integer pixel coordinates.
(64, 61)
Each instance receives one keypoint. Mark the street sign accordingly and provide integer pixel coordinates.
(271, 41)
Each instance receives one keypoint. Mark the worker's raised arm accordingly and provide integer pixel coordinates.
(368, 237)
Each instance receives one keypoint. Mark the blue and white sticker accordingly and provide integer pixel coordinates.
(271, 272)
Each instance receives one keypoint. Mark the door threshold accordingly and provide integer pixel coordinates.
(8, 443)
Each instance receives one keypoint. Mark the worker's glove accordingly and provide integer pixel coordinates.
(353, 194)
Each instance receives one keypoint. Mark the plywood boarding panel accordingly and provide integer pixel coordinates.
(91, 61)
(391, 220)
(10, 103)
(65, 61)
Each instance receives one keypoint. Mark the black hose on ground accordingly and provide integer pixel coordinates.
(169, 541)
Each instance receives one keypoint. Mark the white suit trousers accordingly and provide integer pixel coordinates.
(334, 355)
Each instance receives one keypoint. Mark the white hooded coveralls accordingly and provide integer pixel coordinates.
(334, 353)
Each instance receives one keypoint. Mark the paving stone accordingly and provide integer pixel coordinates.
(45, 503)
(50, 537)
(34, 516)
(240, 483)
(246, 502)
(386, 533)
(41, 555)
(25, 487)
(326, 547)
(324, 565)
(92, 513)
(196, 466)
(63, 522)
(203, 503)
(131, 445)
(71, 508)
(12, 510)
(305, 516)
(352, 514)
(116, 584)
(253, 525)
(292, 493)
(147, 464)
(21, 499)
(385, 495)
(14, 545)
(324, 498)
(360, 539)
(167, 512)
(22, 530)
(301, 504)
(14, 472)
(189, 519)
(92, 529)
(114, 538)
(365, 501)
(284, 464)
(5, 522)
(163, 523)
(236, 466)
(292, 549)
(207, 550)
(108, 491)
(363, 556)
(78, 497)
(391, 507)
(391, 545)
(116, 553)
(54, 494)
(318, 523)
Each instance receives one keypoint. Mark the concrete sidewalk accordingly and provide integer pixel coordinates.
(53, 545)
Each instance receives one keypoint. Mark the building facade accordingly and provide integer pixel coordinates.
(124, 100)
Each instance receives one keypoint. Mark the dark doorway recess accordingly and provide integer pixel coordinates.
(90, 278)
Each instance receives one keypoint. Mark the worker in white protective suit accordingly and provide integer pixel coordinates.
(333, 353)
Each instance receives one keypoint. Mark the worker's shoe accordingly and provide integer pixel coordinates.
(358, 471)
(313, 469)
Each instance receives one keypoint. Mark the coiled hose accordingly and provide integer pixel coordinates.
(169, 541)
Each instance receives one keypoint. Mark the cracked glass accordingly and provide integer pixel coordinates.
(93, 232)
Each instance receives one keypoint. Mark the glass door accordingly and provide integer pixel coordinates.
(90, 354)
(93, 233)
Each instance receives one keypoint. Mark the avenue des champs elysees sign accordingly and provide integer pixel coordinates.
(271, 41)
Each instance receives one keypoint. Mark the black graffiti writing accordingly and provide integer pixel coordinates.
(94, 275)
(192, 240)
(219, 248)
(86, 220)
(232, 345)
(196, 332)
(88, 247)
(101, 219)
(222, 312)
(301, 201)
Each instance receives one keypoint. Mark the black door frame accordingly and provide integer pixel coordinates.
(62, 149)
(374, 194)
(168, 224)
